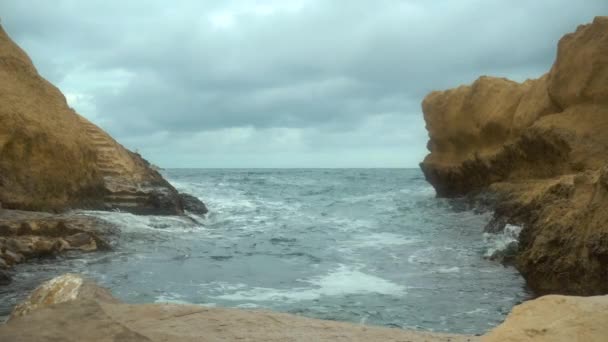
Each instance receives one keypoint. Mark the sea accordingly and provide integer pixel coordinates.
(368, 246)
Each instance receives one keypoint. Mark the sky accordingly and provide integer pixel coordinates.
(298, 83)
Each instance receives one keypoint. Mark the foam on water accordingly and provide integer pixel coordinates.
(339, 282)
(380, 240)
(454, 269)
(503, 242)
(129, 222)
(172, 298)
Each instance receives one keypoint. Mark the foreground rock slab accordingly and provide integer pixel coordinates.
(555, 319)
(69, 308)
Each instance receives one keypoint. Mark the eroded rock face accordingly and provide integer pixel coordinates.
(52, 159)
(527, 142)
(564, 246)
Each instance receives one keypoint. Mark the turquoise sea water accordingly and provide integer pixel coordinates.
(371, 246)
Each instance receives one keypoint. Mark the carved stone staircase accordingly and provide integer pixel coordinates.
(123, 193)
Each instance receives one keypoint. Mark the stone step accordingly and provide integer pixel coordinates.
(102, 144)
(118, 205)
(106, 149)
(110, 167)
(124, 199)
(111, 172)
(95, 137)
(111, 161)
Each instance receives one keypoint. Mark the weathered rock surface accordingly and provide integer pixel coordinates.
(555, 319)
(51, 158)
(193, 205)
(26, 235)
(542, 147)
(69, 308)
(65, 288)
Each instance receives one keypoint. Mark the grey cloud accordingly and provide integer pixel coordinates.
(327, 72)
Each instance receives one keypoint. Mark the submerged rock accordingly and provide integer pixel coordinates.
(541, 147)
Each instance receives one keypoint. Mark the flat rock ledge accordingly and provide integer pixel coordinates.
(26, 235)
(71, 308)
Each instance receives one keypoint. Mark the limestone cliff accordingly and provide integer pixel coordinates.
(541, 145)
(51, 158)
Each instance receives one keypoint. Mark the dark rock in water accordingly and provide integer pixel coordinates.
(5, 278)
(150, 198)
(193, 204)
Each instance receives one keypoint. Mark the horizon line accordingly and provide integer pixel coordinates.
(291, 167)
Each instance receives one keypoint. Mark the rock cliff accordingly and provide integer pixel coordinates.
(52, 159)
(542, 147)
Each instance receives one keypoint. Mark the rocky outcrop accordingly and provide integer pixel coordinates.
(62, 289)
(542, 147)
(52, 159)
(26, 235)
(193, 205)
(69, 308)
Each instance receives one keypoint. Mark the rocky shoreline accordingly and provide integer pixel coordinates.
(53, 160)
(541, 148)
(26, 235)
(71, 308)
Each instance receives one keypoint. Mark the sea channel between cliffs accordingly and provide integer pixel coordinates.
(519, 170)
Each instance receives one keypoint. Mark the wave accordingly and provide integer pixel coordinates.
(504, 244)
(380, 240)
(342, 281)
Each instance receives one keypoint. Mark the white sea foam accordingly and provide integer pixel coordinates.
(454, 269)
(129, 222)
(342, 281)
(173, 298)
(379, 240)
(501, 243)
(433, 255)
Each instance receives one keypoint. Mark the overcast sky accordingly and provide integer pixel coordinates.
(281, 83)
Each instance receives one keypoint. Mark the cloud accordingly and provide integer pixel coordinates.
(298, 83)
